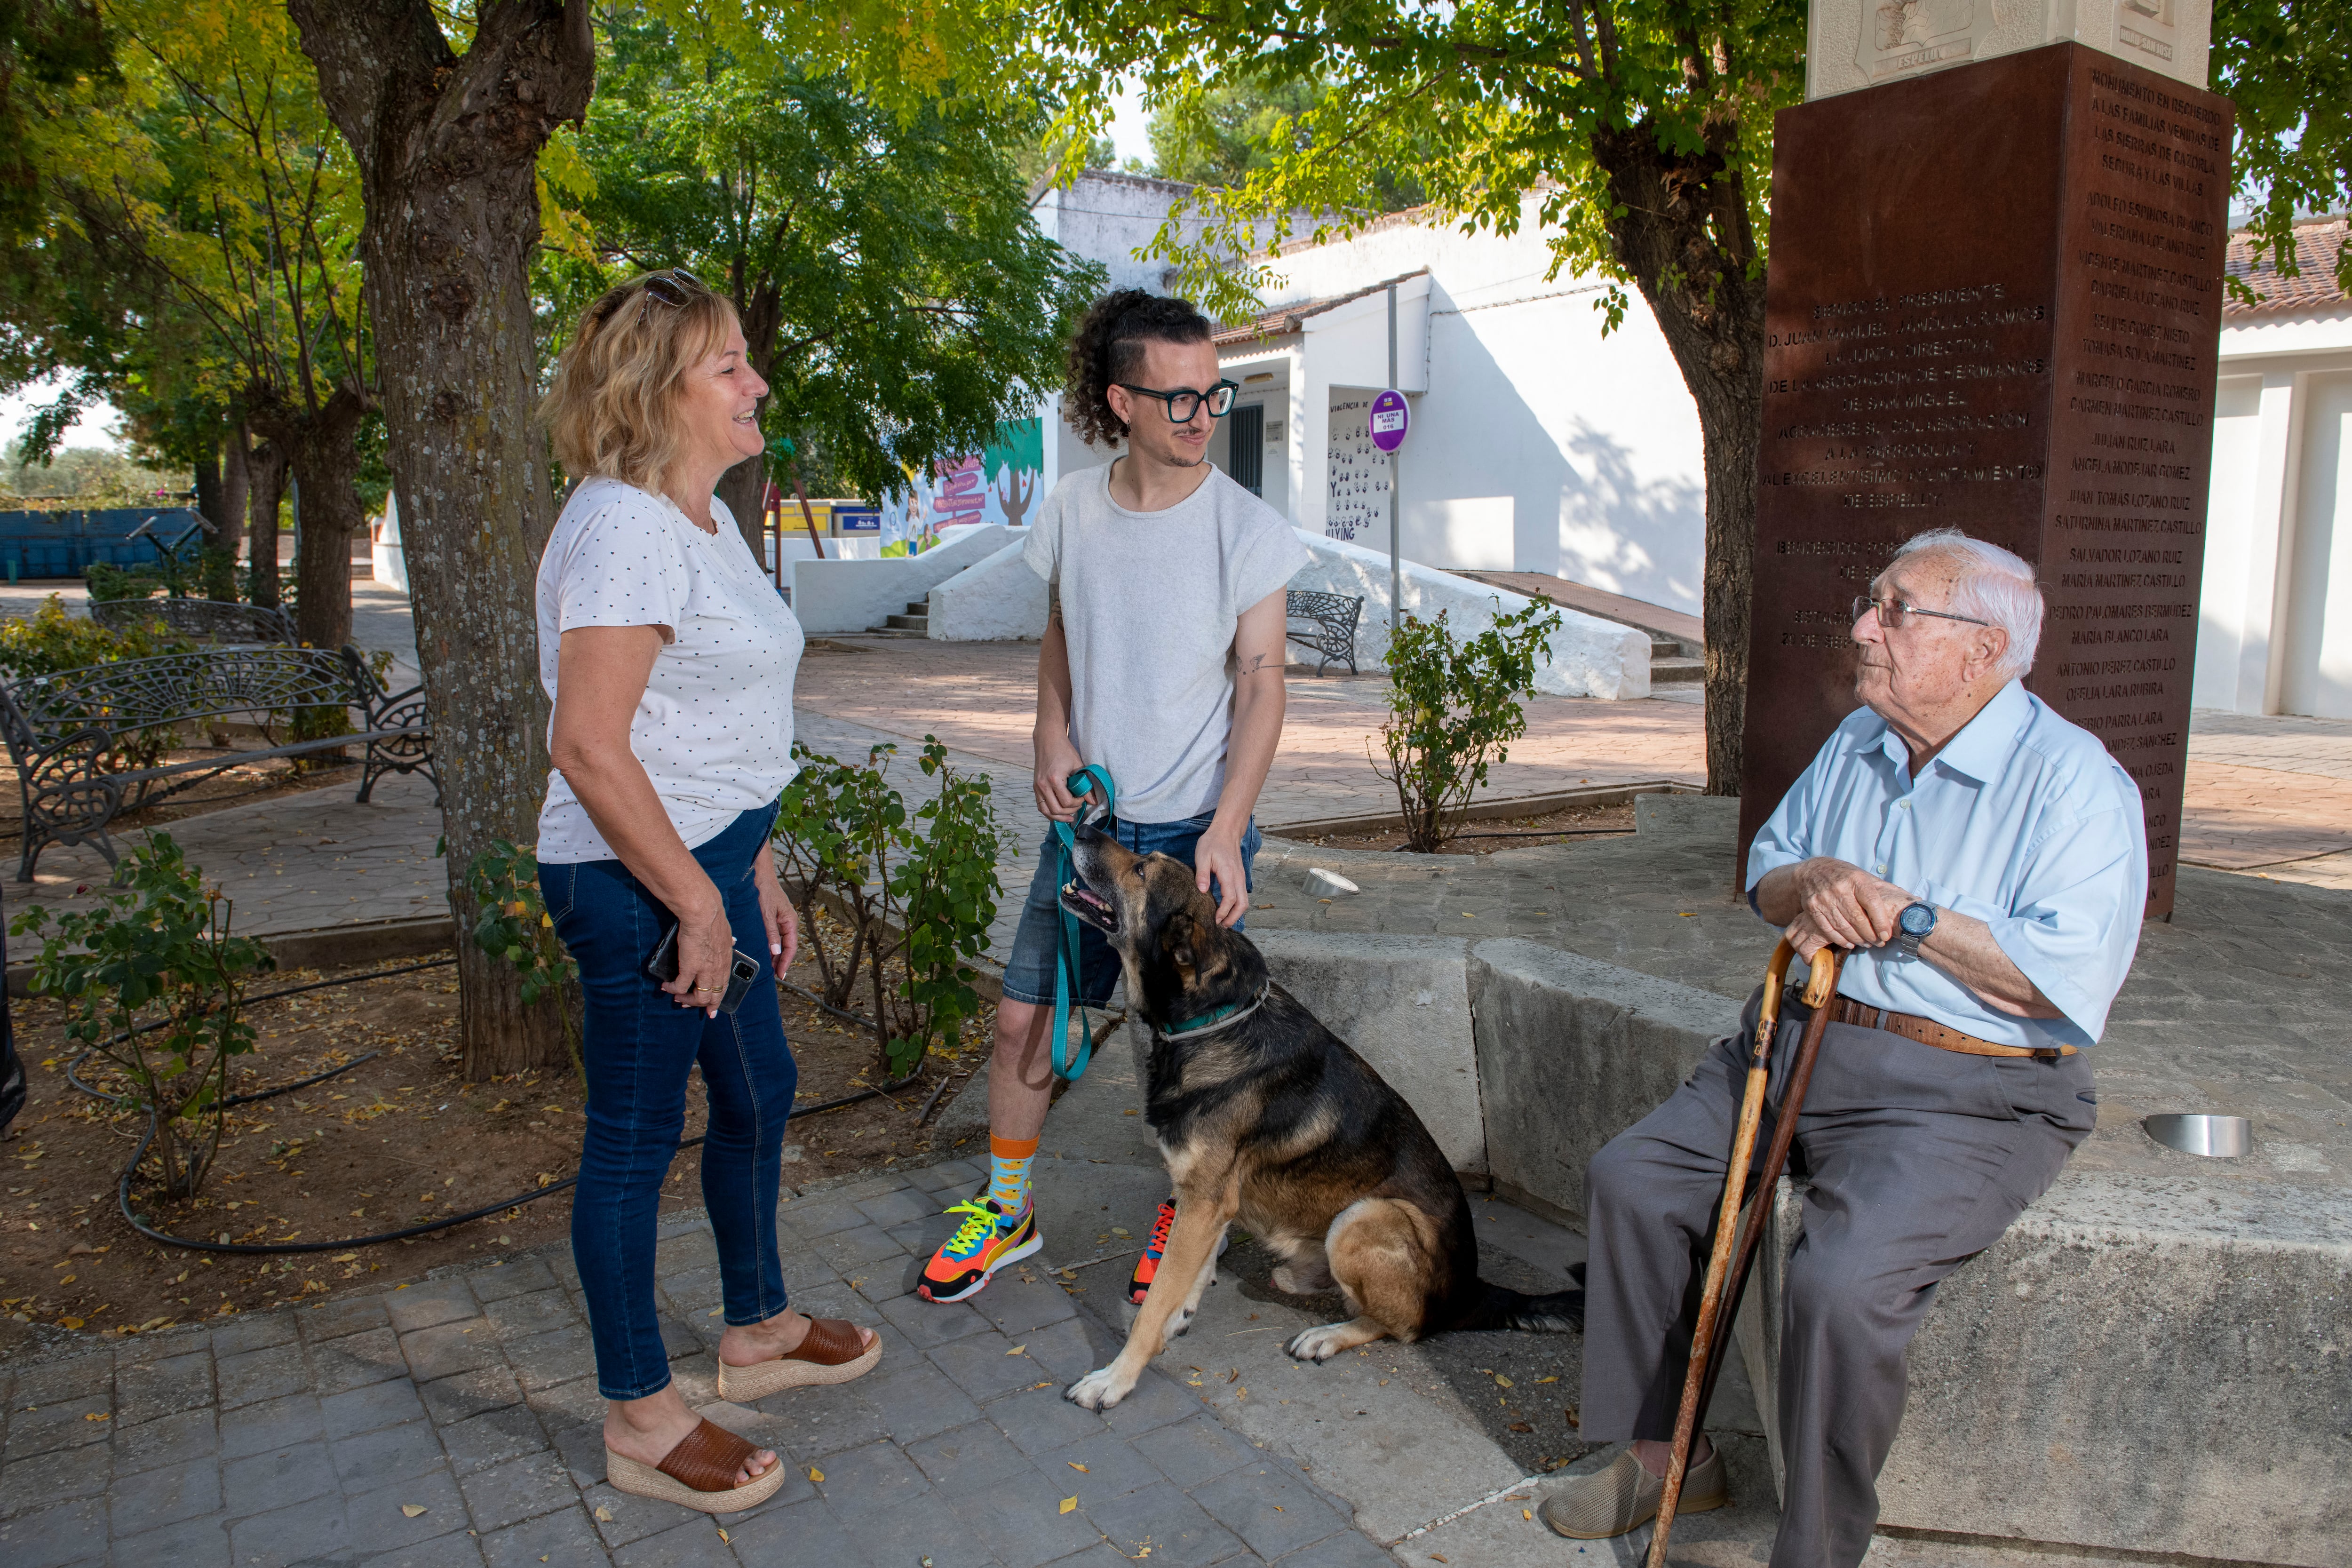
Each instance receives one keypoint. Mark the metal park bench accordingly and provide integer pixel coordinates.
(67, 732)
(205, 620)
(1332, 619)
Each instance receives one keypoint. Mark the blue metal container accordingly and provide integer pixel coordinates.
(64, 543)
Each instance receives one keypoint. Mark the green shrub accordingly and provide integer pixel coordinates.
(919, 888)
(107, 581)
(1453, 708)
(154, 983)
(52, 639)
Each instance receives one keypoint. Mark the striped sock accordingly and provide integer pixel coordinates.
(1008, 1172)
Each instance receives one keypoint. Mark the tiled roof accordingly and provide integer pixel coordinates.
(2318, 242)
(1289, 317)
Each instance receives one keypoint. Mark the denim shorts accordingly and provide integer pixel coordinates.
(1029, 973)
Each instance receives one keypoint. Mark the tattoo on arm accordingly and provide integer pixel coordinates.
(1053, 603)
(1251, 666)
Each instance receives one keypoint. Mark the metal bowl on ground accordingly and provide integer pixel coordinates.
(2217, 1137)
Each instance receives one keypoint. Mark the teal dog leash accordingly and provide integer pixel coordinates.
(1089, 781)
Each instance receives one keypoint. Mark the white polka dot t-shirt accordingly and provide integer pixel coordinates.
(714, 729)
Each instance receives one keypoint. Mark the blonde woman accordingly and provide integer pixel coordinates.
(669, 658)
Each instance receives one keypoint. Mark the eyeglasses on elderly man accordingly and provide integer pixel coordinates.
(1893, 613)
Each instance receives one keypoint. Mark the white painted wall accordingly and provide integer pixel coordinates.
(2274, 615)
(2318, 608)
(854, 595)
(1590, 656)
(1592, 440)
(1000, 599)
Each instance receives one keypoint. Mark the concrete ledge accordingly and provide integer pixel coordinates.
(1403, 1003)
(1490, 809)
(1571, 1052)
(2139, 1363)
(330, 947)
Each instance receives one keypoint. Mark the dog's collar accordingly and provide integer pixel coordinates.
(1210, 1023)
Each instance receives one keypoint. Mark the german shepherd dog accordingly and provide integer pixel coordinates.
(1266, 1117)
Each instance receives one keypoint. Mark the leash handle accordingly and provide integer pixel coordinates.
(1090, 780)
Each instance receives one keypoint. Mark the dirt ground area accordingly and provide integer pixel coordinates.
(234, 786)
(1486, 835)
(394, 1142)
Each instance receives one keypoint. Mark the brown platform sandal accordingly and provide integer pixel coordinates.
(831, 1352)
(698, 1473)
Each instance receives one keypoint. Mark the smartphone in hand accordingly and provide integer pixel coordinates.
(741, 973)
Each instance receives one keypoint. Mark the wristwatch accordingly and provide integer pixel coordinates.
(1911, 926)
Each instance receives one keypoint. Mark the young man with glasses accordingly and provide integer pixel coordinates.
(1162, 665)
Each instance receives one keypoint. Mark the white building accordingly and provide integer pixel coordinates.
(2274, 632)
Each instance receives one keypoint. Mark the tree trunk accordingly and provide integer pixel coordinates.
(743, 486)
(237, 492)
(448, 150)
(209, 503)
(322, 454)
(265, 466)
(1681, 229)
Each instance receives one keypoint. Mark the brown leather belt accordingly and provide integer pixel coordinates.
(1927, 1032)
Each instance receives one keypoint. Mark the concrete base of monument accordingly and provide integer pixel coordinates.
(2152, 1360)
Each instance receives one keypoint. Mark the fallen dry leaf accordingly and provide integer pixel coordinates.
(1069, 1505)
(1526, 1514)
(412, 1508)
(815, 1474)
(1016, 1349)
(1077, 1466)
(1502, 1382)
(603, 1514)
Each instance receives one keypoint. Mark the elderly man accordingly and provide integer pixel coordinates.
(1984, 862)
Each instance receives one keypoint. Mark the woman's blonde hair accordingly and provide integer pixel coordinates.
(612, 411)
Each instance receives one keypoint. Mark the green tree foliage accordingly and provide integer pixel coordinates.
(895, 293)
(2287, 65)
(208, 182)
(1241, 126)
(45, 45)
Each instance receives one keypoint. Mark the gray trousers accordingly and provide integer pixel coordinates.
(1918, 1158)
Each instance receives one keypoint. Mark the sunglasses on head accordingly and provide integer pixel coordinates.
(672, 286)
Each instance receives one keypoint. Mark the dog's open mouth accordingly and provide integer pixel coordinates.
(1082, 901)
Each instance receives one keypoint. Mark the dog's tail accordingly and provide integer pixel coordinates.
(1500, 1307)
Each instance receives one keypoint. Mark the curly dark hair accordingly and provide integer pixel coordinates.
(1108, 346)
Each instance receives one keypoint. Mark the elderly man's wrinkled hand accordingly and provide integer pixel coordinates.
(1845, 906)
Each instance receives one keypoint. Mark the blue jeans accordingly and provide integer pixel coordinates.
(638, 1046)
(1029, 971)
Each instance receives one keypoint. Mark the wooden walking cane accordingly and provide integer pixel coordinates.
(1697, 1381)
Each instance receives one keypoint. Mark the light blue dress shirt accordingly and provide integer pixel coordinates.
(2023, 820)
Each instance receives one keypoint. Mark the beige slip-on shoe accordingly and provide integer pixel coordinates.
(1621, 1494)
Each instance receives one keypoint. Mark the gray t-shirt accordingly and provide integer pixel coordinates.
(1149, 600)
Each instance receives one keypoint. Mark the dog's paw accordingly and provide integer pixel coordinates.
(1317, 1345)
(1180, 1323)
(1099, 1389)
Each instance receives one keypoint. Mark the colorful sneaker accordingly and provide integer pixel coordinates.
(980, 1247)
(1139, 1284)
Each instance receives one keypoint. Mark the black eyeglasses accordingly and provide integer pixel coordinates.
(672, 287)
(1183, 403)
(1892, 613)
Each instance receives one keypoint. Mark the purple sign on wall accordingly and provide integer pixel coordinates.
(1388, 418)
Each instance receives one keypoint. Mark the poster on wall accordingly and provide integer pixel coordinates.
(996, 484)
(1357, 474)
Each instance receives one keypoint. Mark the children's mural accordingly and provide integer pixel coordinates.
(997, 484)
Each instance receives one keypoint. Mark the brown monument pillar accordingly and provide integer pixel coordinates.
(1994, 304)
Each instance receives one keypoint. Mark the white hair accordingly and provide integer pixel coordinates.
(1994, 587)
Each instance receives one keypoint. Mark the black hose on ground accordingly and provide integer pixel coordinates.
(447, 1222)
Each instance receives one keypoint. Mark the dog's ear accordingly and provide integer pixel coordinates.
(1180, 938)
